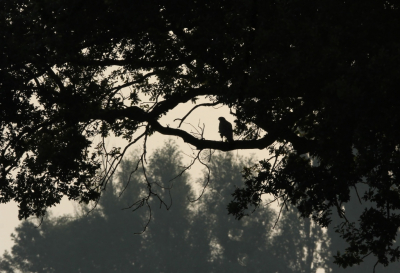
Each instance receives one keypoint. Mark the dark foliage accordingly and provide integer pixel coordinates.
(316, 77)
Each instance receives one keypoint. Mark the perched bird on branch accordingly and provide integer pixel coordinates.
(225, 129)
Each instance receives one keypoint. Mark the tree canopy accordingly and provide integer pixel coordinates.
(313, 81)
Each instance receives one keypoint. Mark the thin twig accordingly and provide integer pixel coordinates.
(207, 180)
(366, 255)
(377, 262)
(279, 215)
(359, 199)
(129, 179)
(148, 222)
(203, 104)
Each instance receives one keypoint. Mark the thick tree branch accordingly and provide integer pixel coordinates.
(135, 113)
(139, 115)
(282, 129)
(211, 144)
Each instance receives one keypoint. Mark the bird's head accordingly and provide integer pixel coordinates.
(221, 118)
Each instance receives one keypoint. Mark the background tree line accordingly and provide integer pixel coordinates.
(189, 237)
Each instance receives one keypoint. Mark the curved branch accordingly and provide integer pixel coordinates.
(276, 132)
(178, 98)
(201, 144)
(203, 104)
(139, 115)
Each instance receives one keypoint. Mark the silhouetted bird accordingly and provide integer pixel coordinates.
(225, 129)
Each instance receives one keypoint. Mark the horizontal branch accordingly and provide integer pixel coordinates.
(276, 132)
(201, 144)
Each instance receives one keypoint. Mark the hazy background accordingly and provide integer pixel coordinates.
(202, 115)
